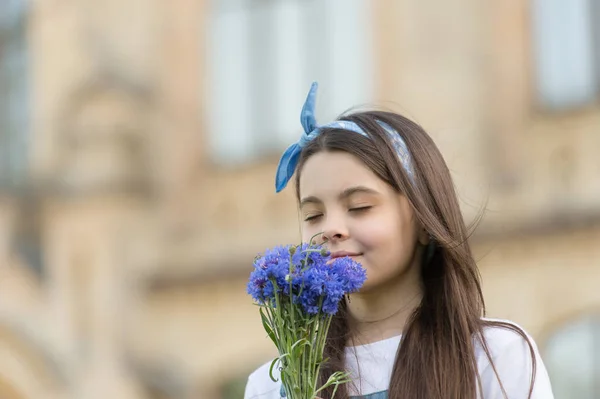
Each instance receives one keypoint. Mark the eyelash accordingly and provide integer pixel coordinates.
(359, 209)
(312, 218)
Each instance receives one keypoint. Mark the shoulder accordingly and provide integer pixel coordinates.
(260, 385)
(501, 334)
(510, 361)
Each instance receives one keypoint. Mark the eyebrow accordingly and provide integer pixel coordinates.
(343, 195)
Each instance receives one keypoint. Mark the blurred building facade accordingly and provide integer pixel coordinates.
(138, 146)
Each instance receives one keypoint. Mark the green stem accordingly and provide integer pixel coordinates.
(310, 242)
(308, 358)
(324, 328)
(316, 333)
(271, 319)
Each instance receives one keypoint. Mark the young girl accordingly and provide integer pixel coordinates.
(376, 188)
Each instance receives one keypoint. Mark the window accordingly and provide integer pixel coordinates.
(13, 92)
(566, 42)
(572, 357)
(262, 57)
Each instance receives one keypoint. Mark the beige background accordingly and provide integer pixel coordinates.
(147, 243)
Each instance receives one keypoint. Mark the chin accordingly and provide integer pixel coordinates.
(365, 289)
(368, 285)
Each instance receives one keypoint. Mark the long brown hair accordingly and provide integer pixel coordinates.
(436, 358)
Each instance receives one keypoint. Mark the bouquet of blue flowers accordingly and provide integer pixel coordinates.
(299, 289)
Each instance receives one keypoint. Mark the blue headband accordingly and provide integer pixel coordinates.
(289, 159)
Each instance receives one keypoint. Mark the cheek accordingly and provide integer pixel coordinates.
(390, 245)
(373, 235)
(309, 231)
(377, 233)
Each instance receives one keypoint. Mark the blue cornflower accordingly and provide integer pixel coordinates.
(310, 282)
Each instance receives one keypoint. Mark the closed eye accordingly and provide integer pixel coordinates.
(312, 217)
(360, 209)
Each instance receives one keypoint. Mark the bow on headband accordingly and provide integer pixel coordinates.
(289, 159)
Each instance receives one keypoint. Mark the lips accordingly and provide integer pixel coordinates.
(341, 254)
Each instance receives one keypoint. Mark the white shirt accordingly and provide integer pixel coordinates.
(509, 351)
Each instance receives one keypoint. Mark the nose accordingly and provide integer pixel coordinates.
(334, 230)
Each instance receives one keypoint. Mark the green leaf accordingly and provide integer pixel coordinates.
(296, 348)
(267, 326)
(271, 369)
(337, 378)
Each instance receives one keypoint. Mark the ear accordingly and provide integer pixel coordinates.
(424, 237)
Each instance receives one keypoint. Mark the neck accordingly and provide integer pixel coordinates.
(383, 311)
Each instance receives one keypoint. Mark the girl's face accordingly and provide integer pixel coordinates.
(358, 215)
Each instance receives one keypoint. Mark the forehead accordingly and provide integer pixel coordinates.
(330, 173)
